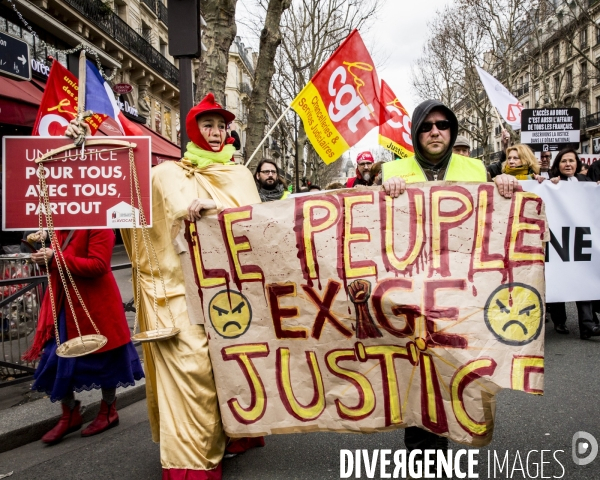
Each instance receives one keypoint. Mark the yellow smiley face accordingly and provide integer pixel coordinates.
(513, 313)
(230, 313)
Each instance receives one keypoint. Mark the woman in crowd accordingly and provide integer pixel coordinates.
(87, 255)
(376, 173)
(521, 163)
(567, 167)
(181, 393)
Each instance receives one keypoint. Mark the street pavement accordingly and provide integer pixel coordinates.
(525, 425)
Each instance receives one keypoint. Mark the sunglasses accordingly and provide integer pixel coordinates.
(440, 125)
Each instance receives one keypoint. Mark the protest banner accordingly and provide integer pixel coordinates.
(550, 129)
(589, 158)
(573, 252)
(340, 104)
(394, 133)
(355, 312)
(92, 191)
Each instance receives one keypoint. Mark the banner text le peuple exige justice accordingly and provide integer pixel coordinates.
(355, 312)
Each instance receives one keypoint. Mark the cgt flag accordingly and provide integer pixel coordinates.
(59, 104)
(340, 104)
(508, 106)
(394, 126)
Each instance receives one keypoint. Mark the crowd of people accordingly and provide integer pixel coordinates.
(192, 440)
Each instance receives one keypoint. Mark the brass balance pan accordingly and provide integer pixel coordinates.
(80, 346)
(157, 335)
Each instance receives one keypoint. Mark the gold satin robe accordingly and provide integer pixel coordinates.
(181, 394)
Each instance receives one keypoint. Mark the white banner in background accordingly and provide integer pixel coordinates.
(573, 257)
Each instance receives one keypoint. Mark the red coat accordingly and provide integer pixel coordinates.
(88, 257)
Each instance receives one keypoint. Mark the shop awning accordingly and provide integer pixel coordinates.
(162, 149)
(19, 102)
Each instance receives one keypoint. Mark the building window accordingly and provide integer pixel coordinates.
(569, 50)
(168, 131)
(583, 38)
(557, 86)
(546, 61)
(584, 73)
(583, 108)
(556, 55)
(536, 97)
(569, 80)
(163, 48)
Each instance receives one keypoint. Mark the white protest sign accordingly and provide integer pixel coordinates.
(573, 256)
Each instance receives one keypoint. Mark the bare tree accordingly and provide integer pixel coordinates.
(311, 31)
(270, 39)
(217, 36)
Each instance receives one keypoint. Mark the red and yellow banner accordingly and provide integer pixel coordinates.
(59, 104)
(394, 128)
(340, 105)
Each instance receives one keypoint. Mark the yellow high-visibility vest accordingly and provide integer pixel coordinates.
(460, 169)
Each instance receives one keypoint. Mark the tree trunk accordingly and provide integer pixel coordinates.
(217, 37)
(270, 38)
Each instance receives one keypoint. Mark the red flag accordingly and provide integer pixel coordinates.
(340, 104)
(59, 104)
(394, 129)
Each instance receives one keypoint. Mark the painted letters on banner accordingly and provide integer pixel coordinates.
(92, 191)
(573, 253)
(340, 104)
(394, 132)
(352, 311)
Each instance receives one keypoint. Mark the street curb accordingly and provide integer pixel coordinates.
(29, 422)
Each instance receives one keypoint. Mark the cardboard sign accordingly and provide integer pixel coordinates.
(92, 191)
(550, 129)
(352, 311)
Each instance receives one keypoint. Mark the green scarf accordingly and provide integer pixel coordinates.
(522, 173)
(202, 158)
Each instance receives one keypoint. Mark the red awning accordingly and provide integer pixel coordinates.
(19, 102)
(162, 149)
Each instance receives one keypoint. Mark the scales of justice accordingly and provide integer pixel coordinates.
(86, 344)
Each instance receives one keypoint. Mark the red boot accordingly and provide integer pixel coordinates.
(69, 422)
(107, 418)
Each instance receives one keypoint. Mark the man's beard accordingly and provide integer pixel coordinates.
(268, 186)
(366, 176)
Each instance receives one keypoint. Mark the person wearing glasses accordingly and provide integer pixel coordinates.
(545, 159)
(435, 128)
(364, 162)
(270, 184)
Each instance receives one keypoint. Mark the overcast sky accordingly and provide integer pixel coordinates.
(397, 37)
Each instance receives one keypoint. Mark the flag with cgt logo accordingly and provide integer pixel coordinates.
(59, 105)
(394, 133)
(340, 104)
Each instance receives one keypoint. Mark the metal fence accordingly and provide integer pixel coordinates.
(21, 293)
(22, 287)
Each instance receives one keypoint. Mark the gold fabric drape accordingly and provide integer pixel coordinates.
(181, 395)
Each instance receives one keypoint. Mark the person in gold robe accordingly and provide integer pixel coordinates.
(181, 394)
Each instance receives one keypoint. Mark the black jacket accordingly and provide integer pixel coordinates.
(594, 171)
